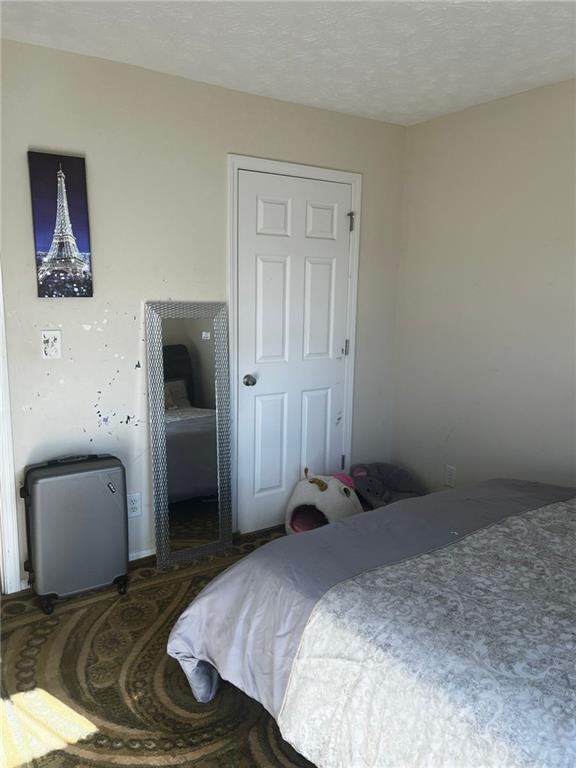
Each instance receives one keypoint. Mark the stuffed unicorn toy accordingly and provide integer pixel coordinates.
(331, 497)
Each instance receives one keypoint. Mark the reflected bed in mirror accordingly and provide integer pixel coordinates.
(187, 346)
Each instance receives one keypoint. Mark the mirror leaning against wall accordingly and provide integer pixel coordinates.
(189, 397)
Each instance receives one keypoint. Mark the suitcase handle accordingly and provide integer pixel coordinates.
(71, 459)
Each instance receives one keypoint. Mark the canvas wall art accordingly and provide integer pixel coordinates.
(61, 227)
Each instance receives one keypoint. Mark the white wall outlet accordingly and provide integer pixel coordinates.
(51, 345)
(205, 335)
(449, 476)
(134, 505)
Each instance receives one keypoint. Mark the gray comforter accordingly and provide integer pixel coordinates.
(247, 624)
(460, 658)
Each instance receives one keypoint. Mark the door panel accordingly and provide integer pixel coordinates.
(321, 221)
(274, 217)
(293, 269)
(316, 430)
(272, 300)
(318, 308)
(270, 443)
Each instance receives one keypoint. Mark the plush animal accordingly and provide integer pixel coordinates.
(319, 500)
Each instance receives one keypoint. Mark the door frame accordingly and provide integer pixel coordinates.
(10, 545)
(237, 163)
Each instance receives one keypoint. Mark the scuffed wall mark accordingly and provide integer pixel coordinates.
(103, 421)
(27, 408)
(131, 421)
(138, 365)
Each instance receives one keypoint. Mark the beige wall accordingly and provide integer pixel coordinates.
(482, 370)
(156, 149)
(485, 334)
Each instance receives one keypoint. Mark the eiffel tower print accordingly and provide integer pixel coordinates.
(64, 268)
(63, 255)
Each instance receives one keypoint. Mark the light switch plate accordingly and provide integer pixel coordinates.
(51, 345)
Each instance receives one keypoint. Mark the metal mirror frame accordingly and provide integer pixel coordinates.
(218, 313)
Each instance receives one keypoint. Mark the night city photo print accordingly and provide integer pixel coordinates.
(61, 228)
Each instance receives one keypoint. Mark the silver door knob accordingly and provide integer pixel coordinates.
(249, 380)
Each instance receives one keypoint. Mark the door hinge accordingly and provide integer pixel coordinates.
(342, 461)
(351, 220)
(347, 347)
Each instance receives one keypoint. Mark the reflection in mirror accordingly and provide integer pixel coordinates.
(190, 423)
(189, 411)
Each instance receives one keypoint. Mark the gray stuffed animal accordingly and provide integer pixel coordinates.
(380, 484)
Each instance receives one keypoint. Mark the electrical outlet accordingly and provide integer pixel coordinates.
(134, 505)
(449, 476)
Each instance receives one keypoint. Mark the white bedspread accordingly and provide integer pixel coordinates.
(189, 412)
(462, 658)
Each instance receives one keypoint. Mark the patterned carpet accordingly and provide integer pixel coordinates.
(104, 656)
(193, 522)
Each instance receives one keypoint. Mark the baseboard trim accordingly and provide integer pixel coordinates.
(142, 553)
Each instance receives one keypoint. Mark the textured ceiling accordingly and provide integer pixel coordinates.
(403, 62)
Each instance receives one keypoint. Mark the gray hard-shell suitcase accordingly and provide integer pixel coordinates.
(77, 526)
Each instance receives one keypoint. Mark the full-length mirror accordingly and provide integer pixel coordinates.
(188, 381)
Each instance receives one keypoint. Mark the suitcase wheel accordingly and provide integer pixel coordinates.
(46, 604)
(122, 585)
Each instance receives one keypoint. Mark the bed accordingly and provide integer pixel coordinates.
(437, 631)
(191, 453)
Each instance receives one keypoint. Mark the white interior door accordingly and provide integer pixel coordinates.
(293, 277)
